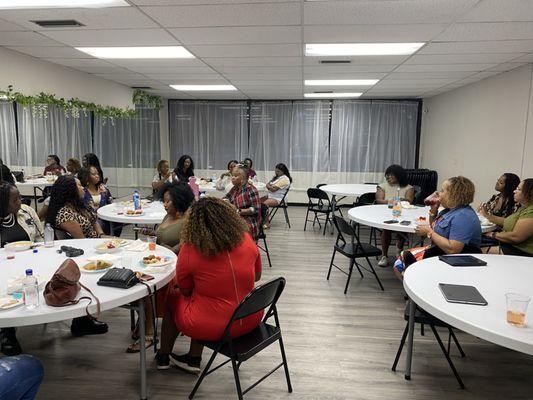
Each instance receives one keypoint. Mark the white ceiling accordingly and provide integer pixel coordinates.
(257, 45)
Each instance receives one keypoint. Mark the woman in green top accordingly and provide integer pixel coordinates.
(517, 235)
(176, 197)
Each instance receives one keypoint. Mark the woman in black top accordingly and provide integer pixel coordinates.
(503, 204)
(91, 160)
(184, 169)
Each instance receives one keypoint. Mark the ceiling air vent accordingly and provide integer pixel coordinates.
(58, 23)
(141, 87)
(335, 61)
(324, 91)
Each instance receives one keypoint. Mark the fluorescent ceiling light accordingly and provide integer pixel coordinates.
(206, 88)
(341, 82)
(137, 52)
(361, 49)
(14, 4)
(330, 95)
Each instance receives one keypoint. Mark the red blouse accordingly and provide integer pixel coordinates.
(218, 284)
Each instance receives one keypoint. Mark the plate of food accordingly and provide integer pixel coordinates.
(112, 245)
(155, 261)
(130, 212)
(96, 267)
(9, 302)
(19, 246)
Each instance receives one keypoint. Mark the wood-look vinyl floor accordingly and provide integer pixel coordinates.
(339, 347)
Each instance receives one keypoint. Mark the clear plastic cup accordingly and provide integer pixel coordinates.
(432, 199)
(152, 240)
(517, 308)
(126, 261)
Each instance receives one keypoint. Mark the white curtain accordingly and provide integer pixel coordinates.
(212, 133)
(368, 136)
(56, 134)
(128, 149)
(8, 134)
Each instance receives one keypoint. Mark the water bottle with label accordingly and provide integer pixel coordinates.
(30, 290)
(48, 236)
(397, 207)
(136, 200)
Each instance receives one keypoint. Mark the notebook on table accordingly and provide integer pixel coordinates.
(462, 294)
(463, 261)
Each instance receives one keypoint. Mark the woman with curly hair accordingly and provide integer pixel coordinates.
(217, 267)
(184, 169)
(92, 160)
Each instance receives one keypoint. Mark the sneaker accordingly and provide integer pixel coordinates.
(10, 346)
(187, 363)
(162, 361)
(383, 261)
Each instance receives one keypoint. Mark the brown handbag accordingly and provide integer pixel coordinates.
(65, 285)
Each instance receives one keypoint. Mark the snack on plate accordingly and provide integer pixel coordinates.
(131, 211)
(421, 219)
(98, 265)
(151, 259)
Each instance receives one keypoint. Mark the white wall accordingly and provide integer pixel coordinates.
(481, 130)
(32, 76)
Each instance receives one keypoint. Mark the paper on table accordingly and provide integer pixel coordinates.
(137, 245)
(104, 257)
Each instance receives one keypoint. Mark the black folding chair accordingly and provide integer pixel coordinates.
(424, 318)
(243, 348)
(367, 199)
(261, 234)
(319, 203)
(353, 249)
(283, 205)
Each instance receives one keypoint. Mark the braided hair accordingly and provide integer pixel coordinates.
(64, 191)
(213, 226)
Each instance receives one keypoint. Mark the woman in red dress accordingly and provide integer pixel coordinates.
(217, 267)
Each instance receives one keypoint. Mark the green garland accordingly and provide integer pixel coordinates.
(72, 107)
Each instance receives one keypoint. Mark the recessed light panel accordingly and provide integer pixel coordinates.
(331, 95)
(203, 88)
(137, 52)
(341, 82)
(361, 49)
(16, 4)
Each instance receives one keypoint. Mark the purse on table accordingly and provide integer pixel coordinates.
(122, 278)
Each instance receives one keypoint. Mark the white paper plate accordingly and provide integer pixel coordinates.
(8, 302)
(19, 246)
(95, 271)
(164, 261)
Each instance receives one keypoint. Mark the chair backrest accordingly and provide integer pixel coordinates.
(60, 234)
(343, 227)
(425, 178)
(417, 192)
(318, 194)
(261, 297)
(284, 198)
(320, 185)
(366, 199)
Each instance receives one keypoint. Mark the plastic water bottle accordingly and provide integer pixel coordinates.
(30, 290)
(397, 207)
(136, 200)
(48, 236)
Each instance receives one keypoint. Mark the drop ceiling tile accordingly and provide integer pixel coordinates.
(80, 62)
(238, 35)
(498, 10)
(491, 46)
(226, 15)
(26, 39)
(194, 81)
(444, 67)
(123, 75)
(528, 58)
(9, 26)
(347, 69)
(92, 18)
(462, 58)
(371, 33)
(199, 69)
(50, 52)
(265, 77)
(119, 37)
(98, 70)
(188, 76)
(345, 75)
(169, 62)
(260, 50)
(505, 67)
(363, 60)
(471, 32)
(429, 75)
(253, 61)
(198, 2)
(384, 12)
(256, 83)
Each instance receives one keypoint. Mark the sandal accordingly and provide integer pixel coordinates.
(135, 346)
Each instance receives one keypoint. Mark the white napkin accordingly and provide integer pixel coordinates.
(137, 245)
(104, 257)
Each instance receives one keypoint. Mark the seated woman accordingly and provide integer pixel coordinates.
(68, 212)
(54, 166)
(395, 185)
(5, 173)
(225, 178)
(503, 203)
(277, 188)
(18, 222)
(517, 235)
(91, 160)
(177, 198)
(20, 377)
(245, 198)
(184, 169)
(456, 229)
(248, 162)
(97, 195)
(162, 176)
(73, 166)
(217, 267)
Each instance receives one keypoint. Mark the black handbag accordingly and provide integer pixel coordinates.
(122, 278)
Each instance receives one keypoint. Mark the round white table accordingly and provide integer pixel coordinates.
(375, 215)
(153, 213)
(46, 261)
(39, 183)
(347, 190)
(502, 274)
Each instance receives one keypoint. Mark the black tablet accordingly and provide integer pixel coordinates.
(463, 261)
(462, 294)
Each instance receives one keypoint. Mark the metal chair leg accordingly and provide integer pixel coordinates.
(267, 252)
(331, 264)
(203, 375)
(374, 272)
(285, 365)
(450, 362)
(237, 380)
(399, 352)
(352, 262)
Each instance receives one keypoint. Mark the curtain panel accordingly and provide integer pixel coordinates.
(8, 134)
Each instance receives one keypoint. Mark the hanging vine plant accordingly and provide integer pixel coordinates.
(72, 107)
(140, 97)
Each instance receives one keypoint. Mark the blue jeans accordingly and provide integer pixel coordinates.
(20, 377)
